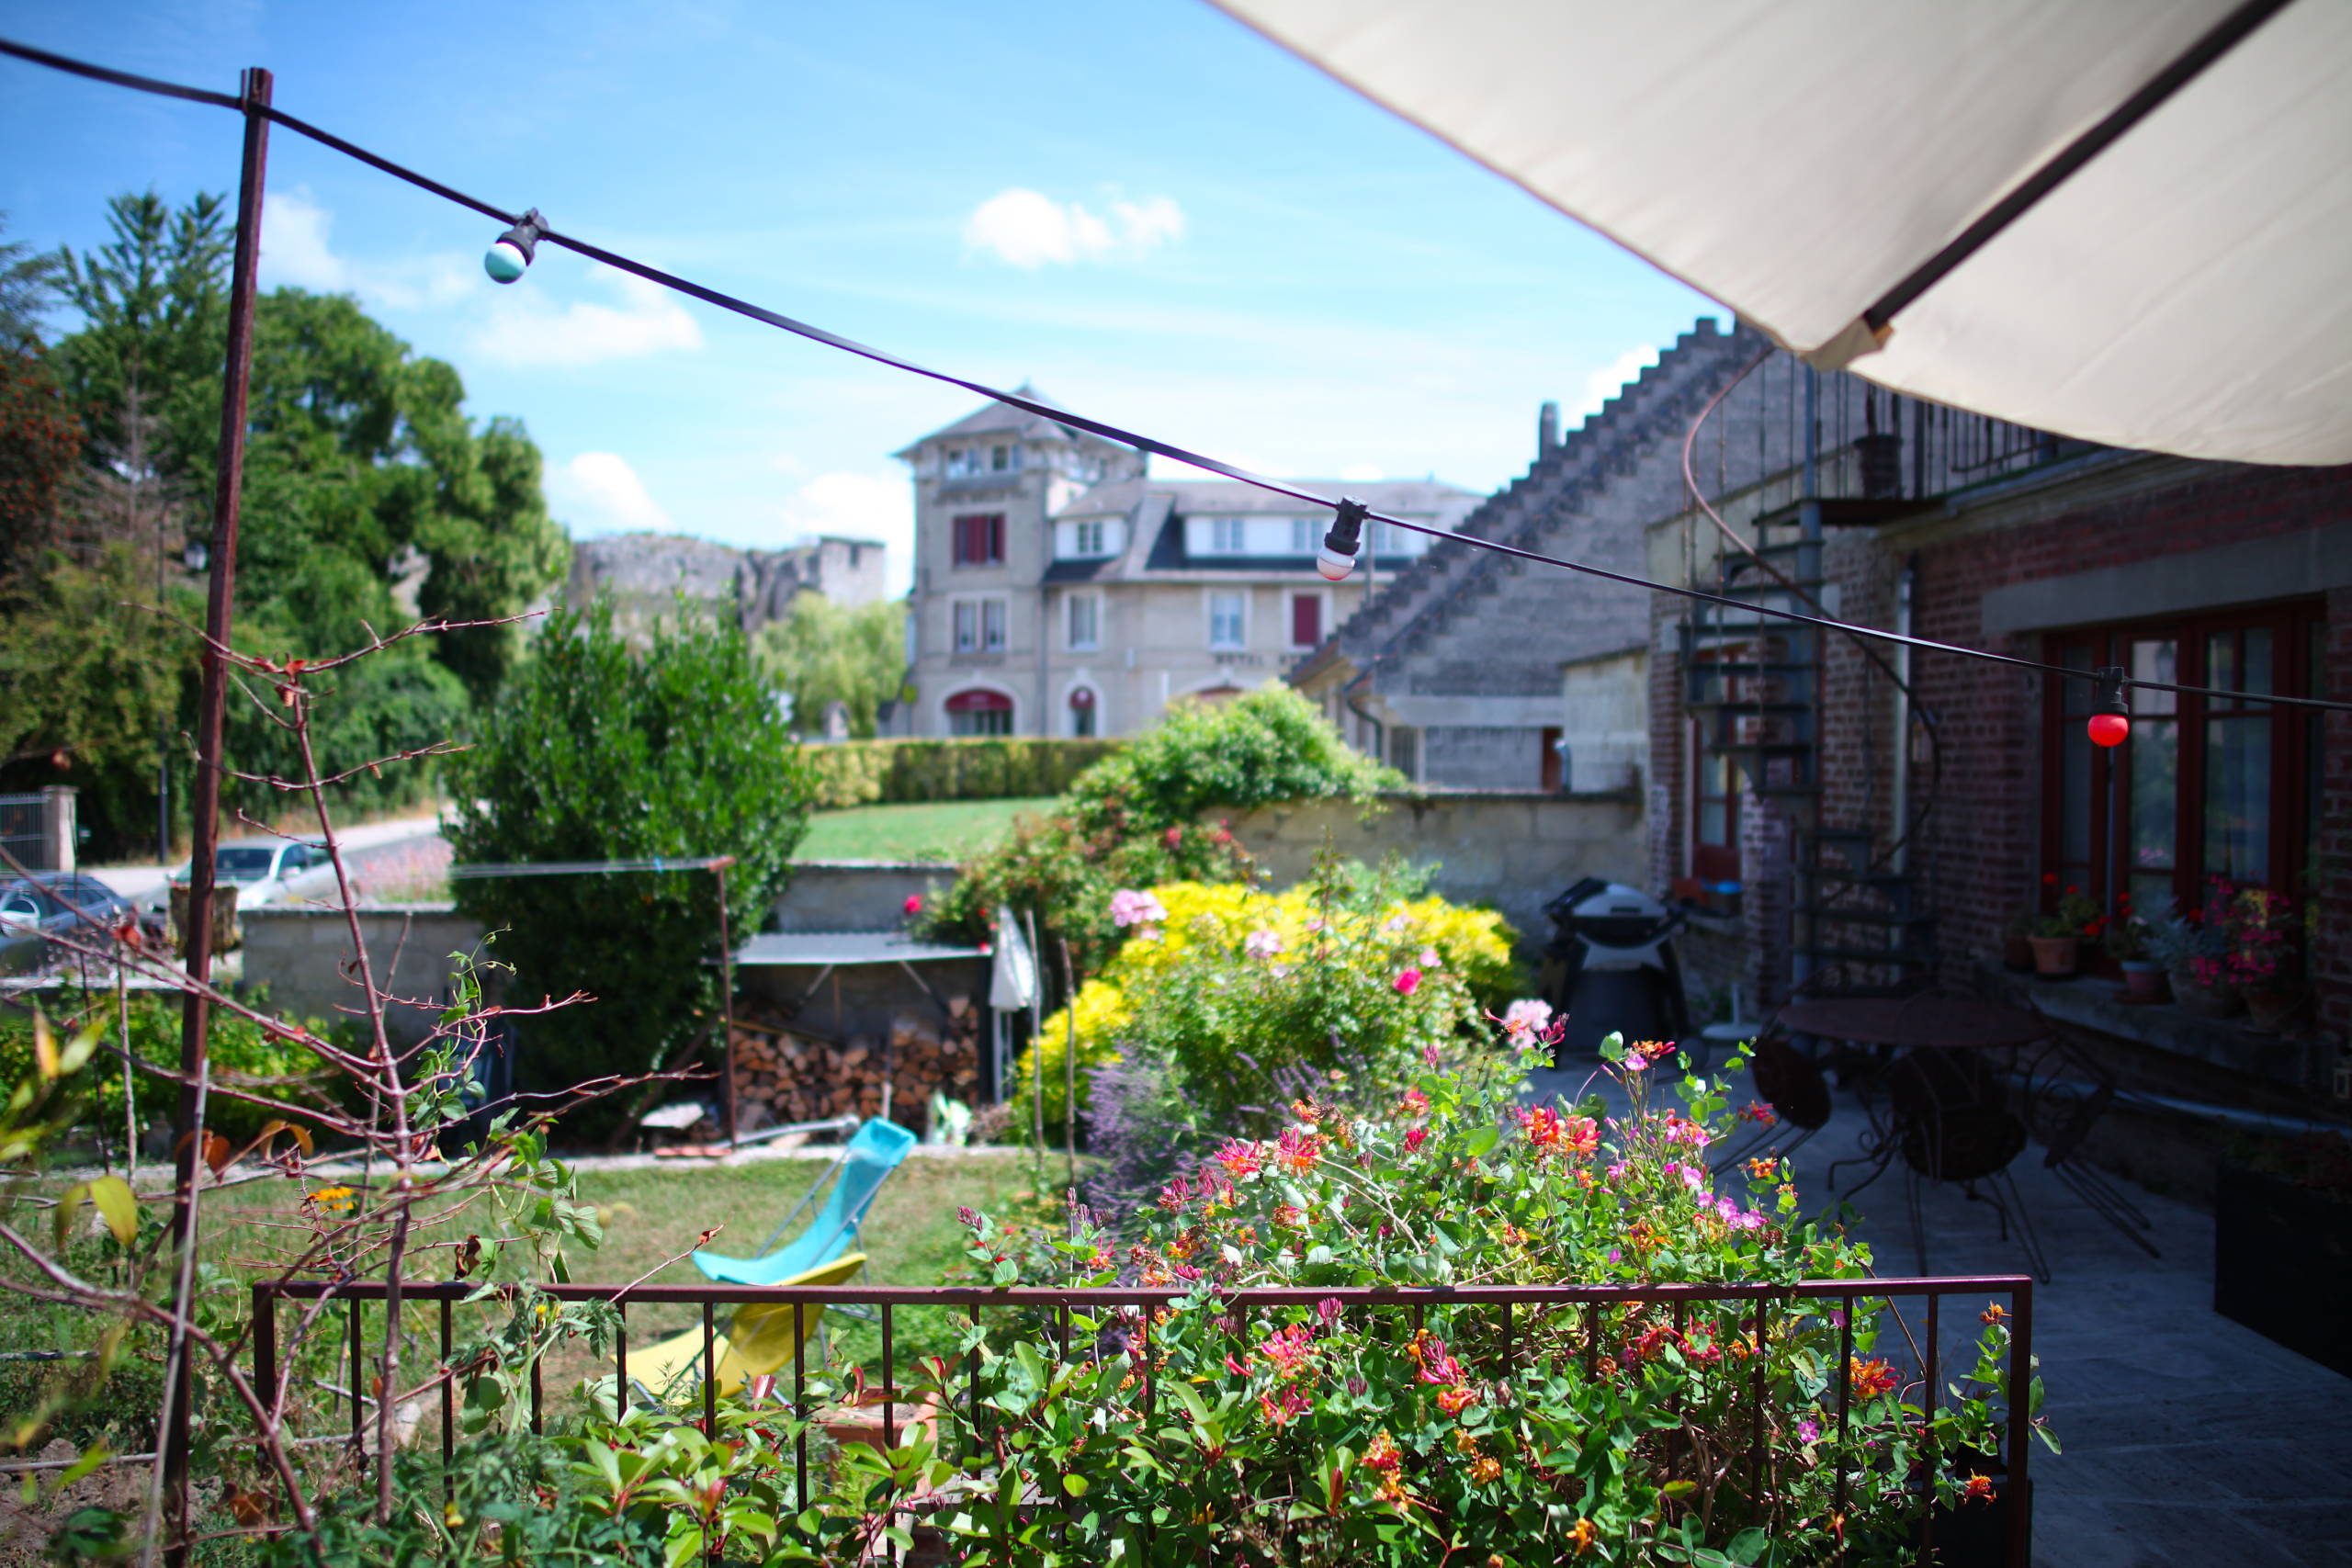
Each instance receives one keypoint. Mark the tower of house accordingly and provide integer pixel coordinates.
(986, 488)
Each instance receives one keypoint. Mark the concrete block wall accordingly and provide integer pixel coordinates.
(305, 956)
(1510, 852)
(855, 896)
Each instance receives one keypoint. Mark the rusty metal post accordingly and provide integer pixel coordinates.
(227, 497)
(726, 1002)
(2020, 1484)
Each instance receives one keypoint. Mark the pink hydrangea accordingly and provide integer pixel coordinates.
(1129, 907)
(1407, 983)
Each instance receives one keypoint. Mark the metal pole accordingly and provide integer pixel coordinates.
(725, 1002)
(227, 496)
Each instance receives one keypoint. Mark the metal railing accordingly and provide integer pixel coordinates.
(1593, 1302)
(24, 833)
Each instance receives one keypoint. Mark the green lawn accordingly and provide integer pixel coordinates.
(651, 1216)
(940, 830)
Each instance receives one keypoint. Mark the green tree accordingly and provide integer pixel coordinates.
(28, 287)
(154, 307)
(823, 653)
(602, 751)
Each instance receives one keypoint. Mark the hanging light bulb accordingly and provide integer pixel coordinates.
(511, 251)
(2111, 714)
(1338, 556)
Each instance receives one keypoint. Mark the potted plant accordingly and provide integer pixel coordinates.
(2058, 936)
(2196, 948)
(2262, 961)
(2128, 943)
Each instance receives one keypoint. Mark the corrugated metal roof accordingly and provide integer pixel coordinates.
(845, 948)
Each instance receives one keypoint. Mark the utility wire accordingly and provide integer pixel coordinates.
(1065, 417)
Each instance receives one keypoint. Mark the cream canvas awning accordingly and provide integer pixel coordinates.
(2185, 289)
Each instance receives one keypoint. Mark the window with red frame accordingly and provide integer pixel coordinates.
(1714, 812)
(2203, 786)
(979, 539)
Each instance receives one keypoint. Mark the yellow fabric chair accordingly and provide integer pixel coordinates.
(756, 1342)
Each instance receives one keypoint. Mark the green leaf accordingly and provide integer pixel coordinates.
(68, 1204)
(1482, 1141)
(119, 1204)
(1075, 1484)
(1747, 1546)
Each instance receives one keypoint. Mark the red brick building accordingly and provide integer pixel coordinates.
(1883, 838)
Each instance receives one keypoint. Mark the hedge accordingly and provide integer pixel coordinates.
(870, 772)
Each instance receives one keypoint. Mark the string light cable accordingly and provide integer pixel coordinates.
(530, 225)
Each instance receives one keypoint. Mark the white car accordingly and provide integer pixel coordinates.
(260, 868)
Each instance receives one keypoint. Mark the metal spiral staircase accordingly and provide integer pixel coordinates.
(1755, 684)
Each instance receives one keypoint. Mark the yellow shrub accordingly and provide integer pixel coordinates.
(1102, 1013)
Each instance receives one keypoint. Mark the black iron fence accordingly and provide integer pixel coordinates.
(1513, 1308)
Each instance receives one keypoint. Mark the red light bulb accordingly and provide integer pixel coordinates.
(2110, 729)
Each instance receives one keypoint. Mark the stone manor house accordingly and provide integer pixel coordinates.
(1060, 590)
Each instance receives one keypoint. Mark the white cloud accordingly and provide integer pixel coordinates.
(1030, 230)
(1361, 474)
(297, 248)
(1611, 378)
(598, 492)
(859, 506)
(526, 328)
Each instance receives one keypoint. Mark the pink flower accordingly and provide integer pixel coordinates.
(1329, 1310)
(1238, 1158)
(1808, 1430)
(1263, 944)
(1429, 958)
(1409, 982)
(1413, 1104)
(1414, 1139)
(1174, 838)
(1129, 907)
(914, 904)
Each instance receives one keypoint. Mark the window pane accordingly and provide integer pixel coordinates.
(2257, 660)
(1713, 826)
(2237, 797)
(2074, 792)
(2155, 794)
(2154, 661)
(2221, 662)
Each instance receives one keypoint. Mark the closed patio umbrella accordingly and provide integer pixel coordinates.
(2126, 221)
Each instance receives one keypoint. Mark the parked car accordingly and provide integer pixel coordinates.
(260, 867)
(35, 908)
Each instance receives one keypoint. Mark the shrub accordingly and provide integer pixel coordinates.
(1234, 989)
(1326, 1435)
(600, 752)
(868, 772)
(1136, 819)
(240, 1052)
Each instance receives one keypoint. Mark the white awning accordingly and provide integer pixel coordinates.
(2188, 290)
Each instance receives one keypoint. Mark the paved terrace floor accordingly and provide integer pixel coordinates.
(2188, 1439)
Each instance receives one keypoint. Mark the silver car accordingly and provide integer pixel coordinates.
(54, 904)
(261, 868)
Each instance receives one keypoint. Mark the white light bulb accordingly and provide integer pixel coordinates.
(505, 262)
(1333, 565)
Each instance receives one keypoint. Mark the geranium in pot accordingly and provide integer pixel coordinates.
(2128, 943)
(2198, 950)
(2262, 960)
(2058, 936)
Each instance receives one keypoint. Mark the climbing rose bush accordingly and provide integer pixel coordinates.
(1321, 1433)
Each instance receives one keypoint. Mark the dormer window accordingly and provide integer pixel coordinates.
(1004, 459)
(1227, 534)
(962, 463)
(1089, 539)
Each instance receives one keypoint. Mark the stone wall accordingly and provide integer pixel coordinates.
(1512, 852)
(301, 954)
(857, 896)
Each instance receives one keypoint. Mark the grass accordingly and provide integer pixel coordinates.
(650, 1219)
(938, 830)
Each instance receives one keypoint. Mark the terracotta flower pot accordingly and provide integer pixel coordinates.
(2221, 1000)
(2016, 955)
(2143, 981)
(2269, 1008)
(2054, 956)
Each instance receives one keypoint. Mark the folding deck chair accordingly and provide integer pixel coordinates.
(865, 1162)
(758, 1340)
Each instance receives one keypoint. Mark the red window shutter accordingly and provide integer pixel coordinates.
(1305, 620)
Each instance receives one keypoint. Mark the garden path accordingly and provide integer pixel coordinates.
(2190, 1439)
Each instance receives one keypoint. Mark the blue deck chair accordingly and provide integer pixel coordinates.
(867, 1160)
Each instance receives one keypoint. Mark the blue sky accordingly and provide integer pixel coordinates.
(1142, 207)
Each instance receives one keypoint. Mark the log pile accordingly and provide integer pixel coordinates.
(785, 1072)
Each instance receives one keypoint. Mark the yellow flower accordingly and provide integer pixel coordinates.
(1581, 1536)
(334, 1200)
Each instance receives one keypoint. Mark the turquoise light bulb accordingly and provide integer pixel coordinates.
(505, 262)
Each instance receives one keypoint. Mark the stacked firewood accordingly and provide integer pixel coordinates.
(786, 1071)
